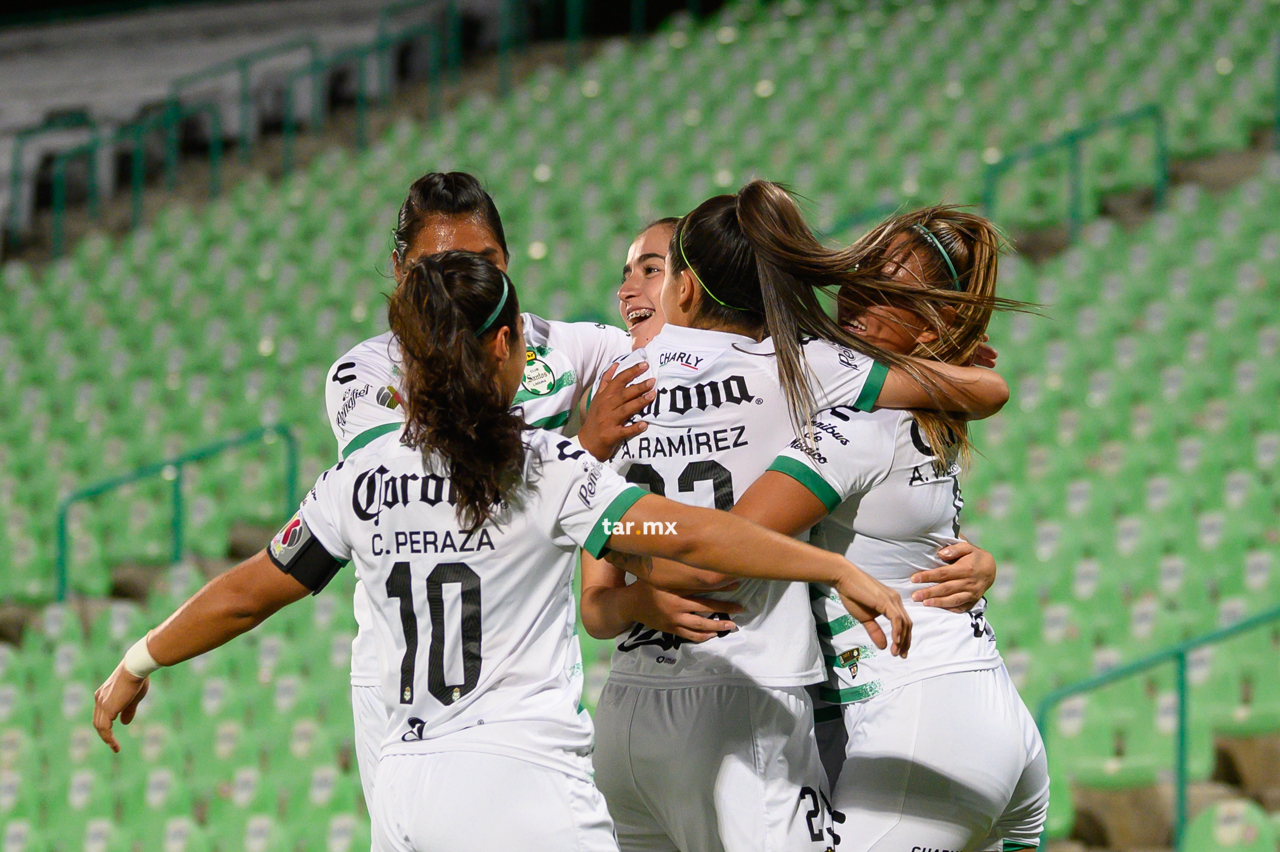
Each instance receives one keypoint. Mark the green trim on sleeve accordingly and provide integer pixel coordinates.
(555, 421)
(1014, 846)
(809, 478)
(368, 435)
(598, 540)
(871, 387)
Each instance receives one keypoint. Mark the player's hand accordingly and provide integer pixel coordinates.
(119, 696)
(984, 355)
(608, 421)
(866, 598)
(959, 585)
(686, 616)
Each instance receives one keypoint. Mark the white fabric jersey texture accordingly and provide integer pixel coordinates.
(362, 402)
(890, 513)
(479, 628)
(719, 419)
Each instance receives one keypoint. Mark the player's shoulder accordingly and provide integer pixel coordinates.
(822, 352)
(880, 427)
(539, 331)
(378, 353)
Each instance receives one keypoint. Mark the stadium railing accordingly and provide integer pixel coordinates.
(452, 29)
(168, 120)
(379, 48)
(243, 66)
(1073, 141)
(1177, 654)
(172, 471)
(77, 121)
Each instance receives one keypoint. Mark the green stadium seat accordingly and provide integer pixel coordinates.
(1236, 824)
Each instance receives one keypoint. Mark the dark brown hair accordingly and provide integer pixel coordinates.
(765, 270)
(457, 195)
(453, 403)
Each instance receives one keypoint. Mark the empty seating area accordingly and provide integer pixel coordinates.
(246, 749)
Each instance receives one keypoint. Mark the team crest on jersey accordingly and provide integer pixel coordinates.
(538, 379)
(290, 539)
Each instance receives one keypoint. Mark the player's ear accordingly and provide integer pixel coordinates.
(395, 266)
(501, 345)
(686, 291)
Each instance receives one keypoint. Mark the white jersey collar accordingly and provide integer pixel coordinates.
(680, 335)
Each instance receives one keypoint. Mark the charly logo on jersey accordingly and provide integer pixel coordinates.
(684, 359)
(378, 490)
(641, 636)
(709, 394)
(539, 379)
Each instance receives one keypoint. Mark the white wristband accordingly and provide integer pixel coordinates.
(138, 660)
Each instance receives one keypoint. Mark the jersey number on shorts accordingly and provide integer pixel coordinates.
(400, 585)
(697, 471)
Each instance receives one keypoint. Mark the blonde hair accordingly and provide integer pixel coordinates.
(955, 298)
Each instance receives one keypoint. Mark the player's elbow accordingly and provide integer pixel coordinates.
(995, 396)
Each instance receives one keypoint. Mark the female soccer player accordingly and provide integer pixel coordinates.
(464, 531)
(452, 212)
(710, 746)
(642, 276)
(936, 751)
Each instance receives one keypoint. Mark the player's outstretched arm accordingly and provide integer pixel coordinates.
(228, 605)
(721, 542)
(976, 392)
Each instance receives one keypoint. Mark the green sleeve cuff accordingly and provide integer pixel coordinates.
(368, 435)
(809, 478)
(598, 541)
(871, 388)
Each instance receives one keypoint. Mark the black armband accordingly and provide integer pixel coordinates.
(298, 553)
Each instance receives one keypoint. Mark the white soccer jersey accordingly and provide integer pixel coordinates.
(362, 402)
(478, 629)
(890, 513)
(719, 419)
(562, 360)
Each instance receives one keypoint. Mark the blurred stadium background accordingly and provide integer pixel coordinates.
(197, 203)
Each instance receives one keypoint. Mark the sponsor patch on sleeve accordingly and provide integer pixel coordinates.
(290, 541)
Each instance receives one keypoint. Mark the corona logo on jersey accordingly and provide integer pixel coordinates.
(709, 394)
(290, 539)
(376, 490)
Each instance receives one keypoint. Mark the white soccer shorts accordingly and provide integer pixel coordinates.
(369, 712)
(949, 762)
(711, 768)
(460, 801)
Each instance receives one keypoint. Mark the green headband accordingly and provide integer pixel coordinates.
(502, 303)
(705, 288)
(928, 235)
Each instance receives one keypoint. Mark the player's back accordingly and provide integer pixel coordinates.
(476, 628)
(718, 420)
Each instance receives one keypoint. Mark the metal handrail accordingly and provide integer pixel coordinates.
(243, 64)
(1178, 655)
(74, 122)
(1072, 140)
(168, 119)
(171, 470)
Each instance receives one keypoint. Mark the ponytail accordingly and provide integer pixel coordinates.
(444, 308)
(765, 269)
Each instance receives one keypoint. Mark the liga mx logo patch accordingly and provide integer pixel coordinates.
(388, 398)
(290, 539)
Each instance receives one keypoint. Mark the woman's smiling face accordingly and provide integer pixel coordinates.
(642, 275)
